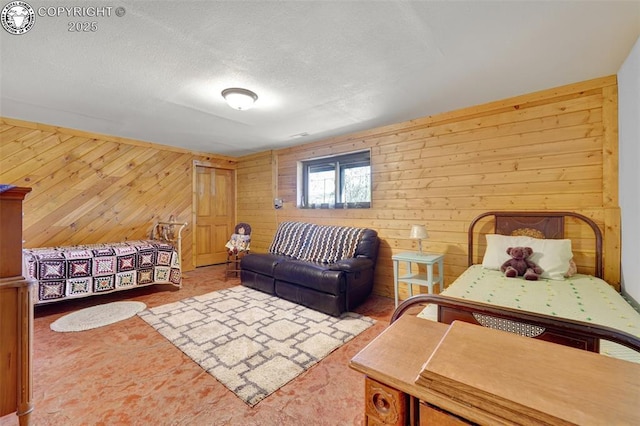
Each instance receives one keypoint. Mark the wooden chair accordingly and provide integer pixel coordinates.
(237, 246)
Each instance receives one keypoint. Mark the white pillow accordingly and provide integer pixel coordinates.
(496, 252)
(553, 256)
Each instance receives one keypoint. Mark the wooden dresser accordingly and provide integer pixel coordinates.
(421, 372)
(16, 311)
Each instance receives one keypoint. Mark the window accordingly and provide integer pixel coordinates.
(341, 181)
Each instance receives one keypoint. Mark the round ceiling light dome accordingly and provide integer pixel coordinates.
(240, 99)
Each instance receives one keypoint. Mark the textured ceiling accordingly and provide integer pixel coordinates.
(319, 67)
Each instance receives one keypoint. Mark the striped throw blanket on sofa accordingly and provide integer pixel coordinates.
(315, 243)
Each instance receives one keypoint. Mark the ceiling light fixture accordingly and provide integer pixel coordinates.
(240, 99)
(299, 135)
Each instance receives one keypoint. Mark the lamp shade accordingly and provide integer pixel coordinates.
(240, 99)
(418, 232)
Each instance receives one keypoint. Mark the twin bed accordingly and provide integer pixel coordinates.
(62, 273)
(575, 309)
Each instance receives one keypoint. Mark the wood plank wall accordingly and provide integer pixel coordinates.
(550, 150)
(255, 188)
(91, 188)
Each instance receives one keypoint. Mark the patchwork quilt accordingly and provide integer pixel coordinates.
(80, 271)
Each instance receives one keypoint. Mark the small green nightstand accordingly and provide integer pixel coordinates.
(428, 279)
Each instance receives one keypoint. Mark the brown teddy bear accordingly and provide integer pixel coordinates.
(519, 265)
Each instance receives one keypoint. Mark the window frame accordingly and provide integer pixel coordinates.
(339, 163)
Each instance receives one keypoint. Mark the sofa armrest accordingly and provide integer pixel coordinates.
(354, 264)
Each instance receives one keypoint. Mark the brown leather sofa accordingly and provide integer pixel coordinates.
(326, 268)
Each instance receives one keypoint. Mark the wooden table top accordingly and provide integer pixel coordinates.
(490, 376)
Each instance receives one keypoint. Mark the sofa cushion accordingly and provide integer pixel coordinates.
(311, 275)
(329, 244)
(291, 239)
(263, 263)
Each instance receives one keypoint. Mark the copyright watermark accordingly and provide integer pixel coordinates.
(18, 17)
(82, 12)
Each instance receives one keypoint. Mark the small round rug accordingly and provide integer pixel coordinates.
(97, 316)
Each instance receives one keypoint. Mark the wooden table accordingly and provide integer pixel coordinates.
(419, 371)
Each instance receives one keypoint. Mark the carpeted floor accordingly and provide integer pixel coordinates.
(250, 341)
(127, 374)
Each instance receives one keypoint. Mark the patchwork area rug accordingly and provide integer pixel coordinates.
(252, 342)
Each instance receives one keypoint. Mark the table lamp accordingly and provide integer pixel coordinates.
(418, 232)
